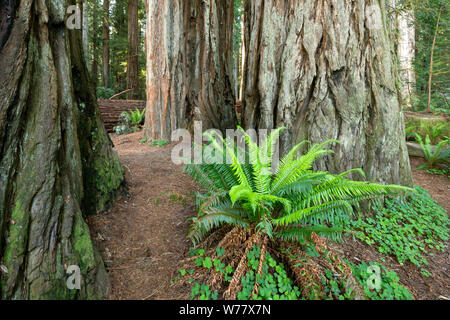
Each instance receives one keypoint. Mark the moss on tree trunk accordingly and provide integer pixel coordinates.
(56, 159)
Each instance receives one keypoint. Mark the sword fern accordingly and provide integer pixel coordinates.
(289, 202)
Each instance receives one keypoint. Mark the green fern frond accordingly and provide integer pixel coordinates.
(215, 218)
(289, 172)
(304, 233)
(296, 217)
(236, 165)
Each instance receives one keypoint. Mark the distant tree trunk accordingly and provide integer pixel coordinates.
(406, 52)
(105, 54)
(85, 31)
(324, 70)
(430, 77)
(95, 47)
(56, 160)
(189, 65)
(242, 66)
(133, 50)
(405, 38)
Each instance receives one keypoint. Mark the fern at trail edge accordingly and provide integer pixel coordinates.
(288, 203)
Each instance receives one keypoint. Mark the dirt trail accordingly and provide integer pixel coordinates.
(142, 238)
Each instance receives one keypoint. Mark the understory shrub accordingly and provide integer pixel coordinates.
(406, 228)
(388, 286)
(435, 156)
(130, 121)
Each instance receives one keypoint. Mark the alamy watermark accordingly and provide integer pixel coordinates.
(374, 281)
(74, 280)
(73, 17)
(214, 147)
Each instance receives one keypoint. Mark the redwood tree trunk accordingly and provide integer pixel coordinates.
(85, 32)
(406, 52)
(56, 160)
(95, 45)
(189, 65)
(133, 50)
(324, 70)
(105, 53)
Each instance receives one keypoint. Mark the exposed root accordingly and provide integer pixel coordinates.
(309, 271)
(241, 269)
(232, 242)
(215, 237)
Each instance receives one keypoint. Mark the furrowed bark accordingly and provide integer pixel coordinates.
(105, 46)
(189, 66)
(56, 160)
(324, 70)
(406, 52)
(133, 50)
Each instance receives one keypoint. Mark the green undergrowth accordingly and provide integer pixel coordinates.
(158, 143)
(408, 229)
(274, 281)
(379, 283)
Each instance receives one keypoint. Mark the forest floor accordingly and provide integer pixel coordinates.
(143, 237)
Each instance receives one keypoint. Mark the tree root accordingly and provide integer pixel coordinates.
(241, 269)
(308, 271)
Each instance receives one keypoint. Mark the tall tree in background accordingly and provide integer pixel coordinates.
(105, 38)
(189, 65)
(133, 50)
(95, 43)
(324, 69)
(432, 44)
(56, 159)
(405, 32)
(85, 30)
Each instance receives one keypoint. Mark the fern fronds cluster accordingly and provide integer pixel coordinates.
(289, 202)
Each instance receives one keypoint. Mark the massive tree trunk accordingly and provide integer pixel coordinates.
(133, 50)
(105, 53)
(56, 160)
(189, 65)
(324, 70)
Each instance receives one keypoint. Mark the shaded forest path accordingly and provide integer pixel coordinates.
(143, 237)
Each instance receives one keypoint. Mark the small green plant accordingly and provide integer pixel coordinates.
(406, 228)
(136, 117)
(389, 287)
(335, 287)
(435, 156)
(159, 143)
(130, 122)
(436, 131)
(274, 283)
(142, 141)
(289, 203)
(203, 292)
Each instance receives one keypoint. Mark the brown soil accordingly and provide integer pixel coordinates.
(142, 238)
